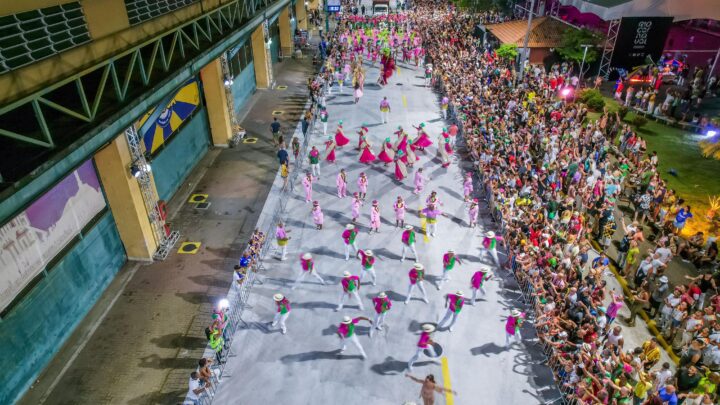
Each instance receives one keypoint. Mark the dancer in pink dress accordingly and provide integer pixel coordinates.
(375, 217)
(387, 154)
(340, 138)
(400, 167)
(341, 183)
(362, 133)
(355, 207)
(399, 208)
(420, 180)
(366, 155)
(330, 149)
(317, 215)
(423, 140)
(473, 212)
(444, 150)
(362, 184)
(468, 186)
(307, 183)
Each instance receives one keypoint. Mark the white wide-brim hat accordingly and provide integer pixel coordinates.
(409, 227)
(459, 293)
(368, 253)
(419, 266)
(490, 234)
(515, 313)
(346, 320)
(278, 297)
(349, 226)
(346, 274)
(382, 295)
(307, 256)
(428, 328)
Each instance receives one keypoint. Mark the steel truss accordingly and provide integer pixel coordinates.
(608, 48)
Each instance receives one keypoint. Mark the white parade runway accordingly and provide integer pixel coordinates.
(304, 366)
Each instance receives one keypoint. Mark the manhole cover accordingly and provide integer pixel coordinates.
(202, 206)
(250, 140)
(277, 112)
(281, 87)
(198, 198)
(189, 248)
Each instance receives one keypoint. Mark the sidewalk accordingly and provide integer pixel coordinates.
(140, 342)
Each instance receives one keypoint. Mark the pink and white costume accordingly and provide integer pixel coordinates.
(307, 183)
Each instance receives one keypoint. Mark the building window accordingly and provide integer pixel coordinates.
(140, 11)
(239, 58)
(38, 34)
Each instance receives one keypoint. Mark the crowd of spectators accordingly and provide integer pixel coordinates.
(555, 179)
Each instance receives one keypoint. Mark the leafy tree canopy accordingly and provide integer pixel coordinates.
(571, 49)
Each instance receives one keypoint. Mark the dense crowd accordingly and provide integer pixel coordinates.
(555, 180)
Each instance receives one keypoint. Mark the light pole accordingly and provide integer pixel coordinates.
(527, 36)
(582, 64)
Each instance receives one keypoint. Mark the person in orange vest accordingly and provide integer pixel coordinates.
(454, 304)
(449, 260)
(350, 286)
(307, 265)
(416, 275)
(349, 235)
(408, 241)
(367, 259)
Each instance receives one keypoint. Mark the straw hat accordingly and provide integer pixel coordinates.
(451, 251)
(347, 320)
(459, 293)
(418, 266)
(382, 295)
(278, 297)
(490, 234)
(428, 328)
(409, 227)
(350, 226)
(515, 313)
(484, 270)
(346, 274)
(307, 256)
(368, 252)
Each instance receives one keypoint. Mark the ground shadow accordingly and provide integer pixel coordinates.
(314, 305)
(487, 349)
(317, 355)
(393, 367)
(386, 254)
(178, 341)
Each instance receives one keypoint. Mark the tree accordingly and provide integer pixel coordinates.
(571, 50)
(507, 51)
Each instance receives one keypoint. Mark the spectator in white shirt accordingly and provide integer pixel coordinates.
(195, 388)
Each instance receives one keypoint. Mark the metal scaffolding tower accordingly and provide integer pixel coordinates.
(165, 238)
(608, 48)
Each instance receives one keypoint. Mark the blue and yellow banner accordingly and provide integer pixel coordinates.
(169, 119)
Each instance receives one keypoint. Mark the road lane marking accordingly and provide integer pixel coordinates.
(449, 400)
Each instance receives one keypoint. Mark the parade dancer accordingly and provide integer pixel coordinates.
(473, 212)
(282, 312)
(350, 286)
(367, 260)
(324, 119)
(382, 305)
(329, 151)
(400, 166)
(444, 103)
(340, 138)
(355, 206)
(346, 331)
(424, 343)
(361, 136)
(387, 155)
(307, 183)
(428, 74)
(385, 110)
(307, 265)
(449, 260)
(454, 304)
(317, 215)
(423, 140)
(420, 180)
(477, 282)
(416, 276)
(348, 236)
(408, 240)
(399, 208)
(314, 158)
(433, 199)
(362, 184)
(282, 239)
(366, 155)
(341, 183)
(444, 151)
(512, 326)
(468, 186)
(489, 244)
(431, 214)
(375, 217)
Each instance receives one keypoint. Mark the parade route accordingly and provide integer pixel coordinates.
(304, 366)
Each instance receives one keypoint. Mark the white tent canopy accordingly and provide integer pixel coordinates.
(680, 9)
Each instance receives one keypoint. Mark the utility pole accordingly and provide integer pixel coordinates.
(526, 52)
(582, 64)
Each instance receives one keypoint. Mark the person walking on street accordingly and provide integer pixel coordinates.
(324, 116)
(375, 217)
(385, 110)
(341, 183)
(350, 286)
(416, 276)
(382, 305)
(449, 260)
(362, 184)
(512, 326)
(282, 312)
(307, 183)
(314, 158)
(346, 331)
(348, 237)
(307, 265)
(419, 181)
(424, 343)
(317, 215)
(282, 238)
(367, 260)
(429, 388)
(477, 282)
(275, 130)
(408, 241)
(399, 208)
(454, 304)
(489, 244)
(355, 206)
